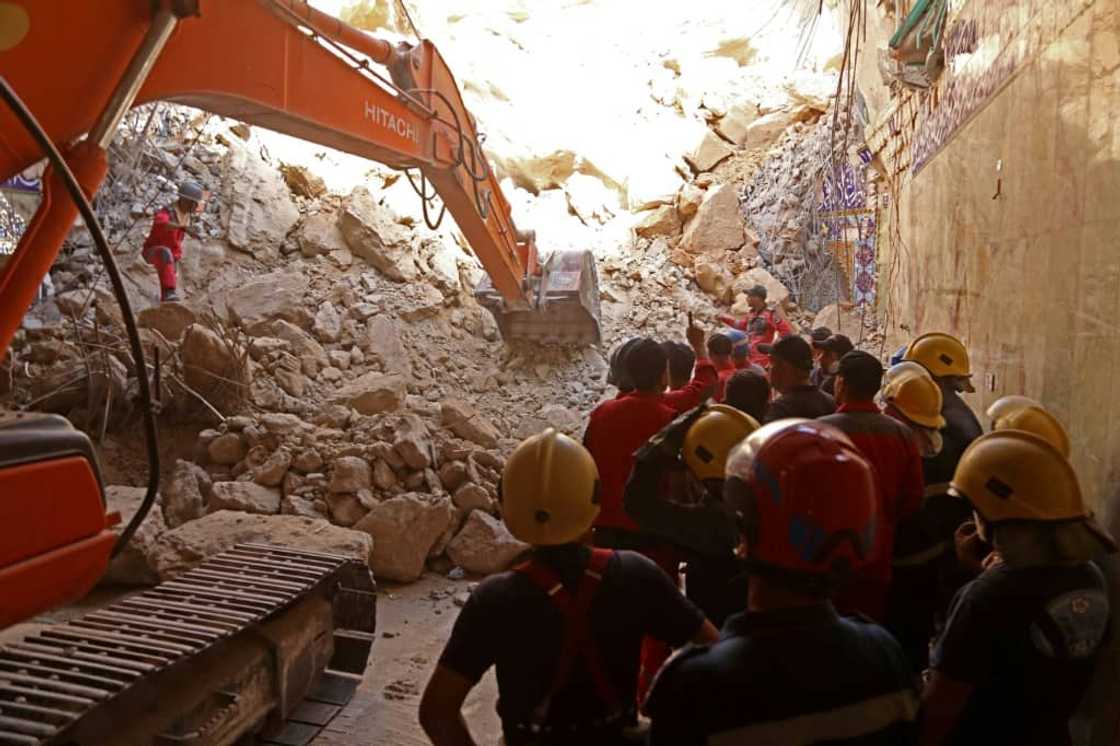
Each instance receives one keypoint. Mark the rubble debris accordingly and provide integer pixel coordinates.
(404, 529)
(718, 224)
(133, 566)
(484, 545)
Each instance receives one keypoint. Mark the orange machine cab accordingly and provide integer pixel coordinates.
(54, 533)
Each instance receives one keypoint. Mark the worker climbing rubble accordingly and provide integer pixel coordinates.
(163, 248)
(789, 669)
(563, 629)
(763, 324)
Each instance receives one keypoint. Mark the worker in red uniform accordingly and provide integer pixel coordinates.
(892, 449)
(163, 248)
(719, 351)
(692, 376)
(763, 324)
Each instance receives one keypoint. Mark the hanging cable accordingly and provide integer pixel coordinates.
(151, 437)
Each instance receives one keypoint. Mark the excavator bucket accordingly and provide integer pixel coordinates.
(564, 299)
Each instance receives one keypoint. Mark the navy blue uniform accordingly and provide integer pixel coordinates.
(790, 676)
(1027, 639)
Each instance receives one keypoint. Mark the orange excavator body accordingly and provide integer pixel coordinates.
(280, 64)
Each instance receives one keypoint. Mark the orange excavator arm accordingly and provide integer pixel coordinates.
(78, 67)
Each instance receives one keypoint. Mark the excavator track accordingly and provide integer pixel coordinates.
(259, 640)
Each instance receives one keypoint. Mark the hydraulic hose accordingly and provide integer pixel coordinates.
(151, 438)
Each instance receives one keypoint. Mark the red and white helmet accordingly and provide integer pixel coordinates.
(806, 498)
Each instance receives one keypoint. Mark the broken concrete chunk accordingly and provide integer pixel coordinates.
(718, 224)
(319, 234)
(183, 498)
(412, 442)
(133, 566)
(471, 497)
(373, 393)
(244, 496)
(484, 545)
(404, 529)
(709, 153)
(466, 422)
(328, 323)
(278, 295)
(271, 472)
(226, 449)
(661, 221)
(372, 233)
(169, 319)
(350, 474)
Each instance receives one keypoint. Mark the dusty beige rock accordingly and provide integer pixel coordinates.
(299, 342)
(210, 367)
(373, 393)
(689, 199)
(551, 415)
(185, 547)
(709, 153)
(350, 474)
(419, 300)
(347, 508)
(836, 318)
(271, 472)
(226, 449)
(717, 225)
(412, 442)
(277, 295)
(296, 505)
(452, 474)
(291, 381)
(660, 221)
(169, 319)
(183, 497)
(681, 258)
(258, 206)
(735, 124)
(308, 460)
(302, 182)
(466, 422)
(328, 323)
(471, 497)
(404, 529)
(372, 233)
(133, 566)
(714, 279)
(484, 545)
(383, 476)
(248, 497)
(776, 292)
(383, 340)
(766, 130)
(282, 423)
(339, 359)
(319, 234)
(262, 347)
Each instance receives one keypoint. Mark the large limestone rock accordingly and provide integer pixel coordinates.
(372, 233)
(383, 339)
(404, 529)
(714, 279)
(766, 130)
(840, 320)
(328, 323)
(260, 210)
(211, 368)
(373, 393)
(718, 224)
(226, 449)
(484, 545)
(133, 566)
(471, 497)
(183, 498)
(180, 549)
(466, 422)
(299, 342)
(169, 319)
(709, 153)
(319, 234)
(277, 295)
(776, 292)
(302, 182)
(350, 474)
(271, 472)
(248, 497)
(735, 124)
(412, 442)
(660, 221)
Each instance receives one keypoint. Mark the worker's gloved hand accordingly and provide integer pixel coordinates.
(667, 443)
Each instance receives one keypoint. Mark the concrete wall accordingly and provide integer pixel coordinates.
(1030, 280)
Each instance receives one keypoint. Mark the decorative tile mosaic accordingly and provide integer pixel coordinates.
(848, 222)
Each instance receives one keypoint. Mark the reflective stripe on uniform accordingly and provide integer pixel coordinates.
(852, 721)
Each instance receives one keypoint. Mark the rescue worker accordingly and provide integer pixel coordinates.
(790, 670)
(1021, 413)
(719, 351)
(892, 449)
(676, 494)
(791, 363)
(617, 428)
(763, 325)
(748, 392)
(617, 374)
(741, 351)
(163, 248)
(1022, 639)
(705, 379)
(831, 350)
(682, 361)
(818, 335)
(562, 629)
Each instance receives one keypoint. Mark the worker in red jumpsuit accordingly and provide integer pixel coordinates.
(163, 248)
(763, 324)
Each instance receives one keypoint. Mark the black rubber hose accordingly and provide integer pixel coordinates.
(12, 99)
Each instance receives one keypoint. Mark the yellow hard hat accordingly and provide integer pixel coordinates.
(1013, 475)
(1021, 413)
(916, 395)
(906, 367)
(941, 354)
(550, 490)
(711, 438)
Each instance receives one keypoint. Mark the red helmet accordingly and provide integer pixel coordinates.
(806, 498)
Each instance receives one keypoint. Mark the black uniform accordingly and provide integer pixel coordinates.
(510, 623)
(801, 401)
(790, 676)
(705, 532)
(1027, 639)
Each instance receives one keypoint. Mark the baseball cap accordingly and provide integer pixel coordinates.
(794, 350)
(818, 335)
(759, 291)
(837, 343)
